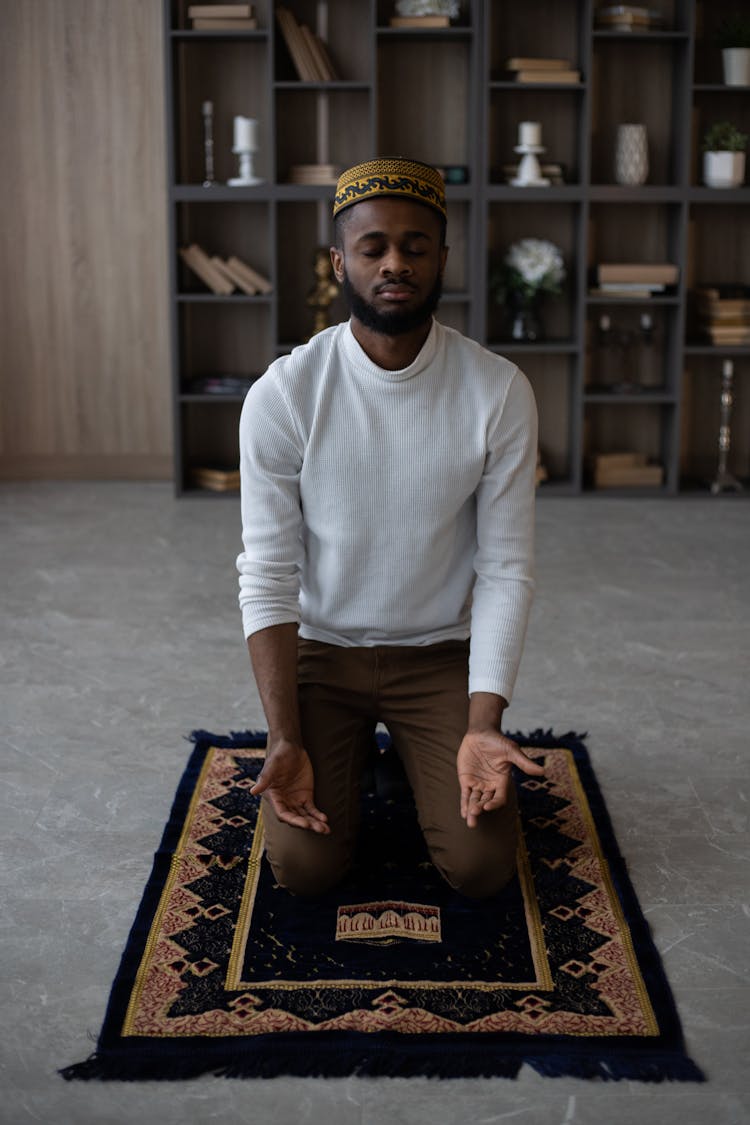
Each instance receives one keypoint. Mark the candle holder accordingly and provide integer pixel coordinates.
(530, 149)
(208, 143)
(724, 481)
(245, 147)
(628, 342)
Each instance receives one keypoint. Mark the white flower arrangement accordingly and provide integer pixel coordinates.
(533, 265)
(448, 8)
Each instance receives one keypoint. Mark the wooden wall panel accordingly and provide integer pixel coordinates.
(84, 332)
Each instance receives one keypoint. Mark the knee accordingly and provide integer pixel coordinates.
(483, 879)
(478, 868)
(307, 868)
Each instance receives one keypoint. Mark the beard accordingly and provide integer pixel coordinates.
(396, 322)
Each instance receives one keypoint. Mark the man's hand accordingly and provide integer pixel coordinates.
(485, 759)
(287, 779)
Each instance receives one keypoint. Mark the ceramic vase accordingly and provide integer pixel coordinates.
(723, 169)
(631, 155)
(736, 61)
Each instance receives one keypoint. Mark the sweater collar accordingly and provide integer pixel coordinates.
(359, 358)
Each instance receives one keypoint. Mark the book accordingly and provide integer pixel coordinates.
(622, 470)
(640, 273)
(569, 77)
(216, 480)
(728, 335)
(313, 53)
(635, 476)
(321, 55)
(261, 283)
(199, 262)
(632, 292)
(313, 174)
(538, 64)
(238, 279)
(249, 24)
(308, 52)
(220, 11)
(295, 43)
(420, 21)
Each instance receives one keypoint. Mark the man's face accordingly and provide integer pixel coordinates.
(391, 264)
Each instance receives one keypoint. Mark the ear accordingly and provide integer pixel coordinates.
(443, 259)
(337, 260)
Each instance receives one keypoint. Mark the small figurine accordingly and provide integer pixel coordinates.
(324, 291)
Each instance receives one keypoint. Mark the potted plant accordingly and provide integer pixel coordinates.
(531, 268)
(733, 37)
(724, 155)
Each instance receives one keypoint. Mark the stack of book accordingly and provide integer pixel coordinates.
(545, 70)
(216, 480)
(420, 21)
(632, 279)
(628, 17)
(235, 385)
(224, 276)
(314, 174)
(625, 470)
(724, 314)
(308, 51)
(222, 17)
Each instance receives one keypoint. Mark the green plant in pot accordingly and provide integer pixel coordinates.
(724, 155)
(733, 37)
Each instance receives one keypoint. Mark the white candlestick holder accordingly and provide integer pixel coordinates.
(247, 177)
(529, 171)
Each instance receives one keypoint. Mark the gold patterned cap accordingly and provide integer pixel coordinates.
(407, 179)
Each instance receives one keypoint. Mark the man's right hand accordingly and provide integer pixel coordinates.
(287, 781)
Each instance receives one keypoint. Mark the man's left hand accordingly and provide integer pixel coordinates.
(485, 760)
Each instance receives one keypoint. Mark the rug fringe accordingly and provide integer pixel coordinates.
(391, 1063)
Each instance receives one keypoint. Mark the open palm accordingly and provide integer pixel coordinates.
(485, 763)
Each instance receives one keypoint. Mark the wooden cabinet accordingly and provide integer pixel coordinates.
(649, 384)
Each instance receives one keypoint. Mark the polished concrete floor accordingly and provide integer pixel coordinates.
(120, 634)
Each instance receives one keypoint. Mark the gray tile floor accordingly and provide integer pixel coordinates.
(120, 635)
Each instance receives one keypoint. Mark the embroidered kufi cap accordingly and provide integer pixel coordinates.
(405, 179)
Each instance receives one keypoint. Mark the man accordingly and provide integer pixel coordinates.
(387, 504)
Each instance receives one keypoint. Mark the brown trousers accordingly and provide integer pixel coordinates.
(420, 695)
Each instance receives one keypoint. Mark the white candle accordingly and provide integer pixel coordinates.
(530, 133)
(245, 134)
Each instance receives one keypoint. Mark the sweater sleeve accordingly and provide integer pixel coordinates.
(504, 560)
(271, 452)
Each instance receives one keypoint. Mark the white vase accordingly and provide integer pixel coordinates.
(631, 154)
(723, 169)
(736, 62)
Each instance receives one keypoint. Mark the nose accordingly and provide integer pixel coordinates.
(395, 264)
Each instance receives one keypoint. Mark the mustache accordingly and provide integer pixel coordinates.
(395, 284)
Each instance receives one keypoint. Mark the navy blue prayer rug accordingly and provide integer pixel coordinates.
(393, 973)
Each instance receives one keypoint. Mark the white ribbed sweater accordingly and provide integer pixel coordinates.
(391, 507)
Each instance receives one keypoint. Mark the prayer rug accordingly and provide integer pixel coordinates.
(393, 973)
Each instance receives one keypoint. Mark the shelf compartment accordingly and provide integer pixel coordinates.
(341, 25)
(533, 29)
(318, 126)
(439, 90)
(559, 222)
(654, 98)
(222, 338)
(234, 76)
(560, 119)
(230, 230)
(637, 426)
